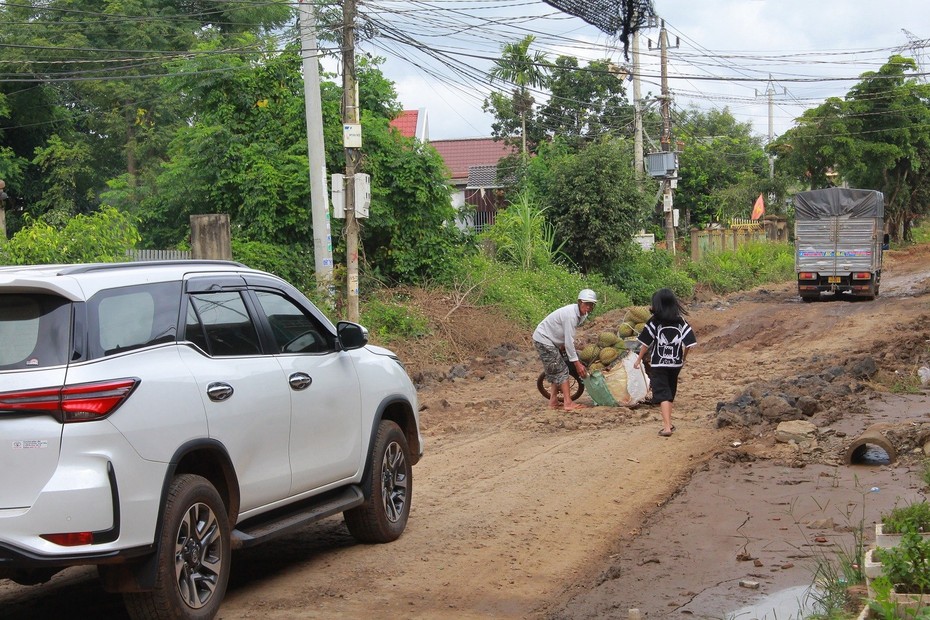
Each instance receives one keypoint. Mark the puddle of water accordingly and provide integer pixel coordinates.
(790, 604)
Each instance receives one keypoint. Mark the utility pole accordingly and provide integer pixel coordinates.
(350, 121)
(666, 142)
(770, 95)
(313, 108)
(637, 112)
(3, 198)
(770, 91)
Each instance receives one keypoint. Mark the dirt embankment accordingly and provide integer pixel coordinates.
(520, 511)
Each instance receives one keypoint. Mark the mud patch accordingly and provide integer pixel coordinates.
(752, 515)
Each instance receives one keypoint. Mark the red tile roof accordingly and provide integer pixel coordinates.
(406, 123)
(460, 154)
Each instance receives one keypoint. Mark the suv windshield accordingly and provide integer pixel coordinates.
(35, 331)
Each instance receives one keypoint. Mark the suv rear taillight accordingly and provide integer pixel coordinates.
(72, 403)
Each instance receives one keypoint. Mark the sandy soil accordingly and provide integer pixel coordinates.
(524, 512)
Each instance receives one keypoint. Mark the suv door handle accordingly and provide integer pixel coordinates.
(218, 392)
(300, 380)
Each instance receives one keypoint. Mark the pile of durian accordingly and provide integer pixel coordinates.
(609, 346)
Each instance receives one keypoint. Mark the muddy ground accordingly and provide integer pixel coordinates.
(524, 512)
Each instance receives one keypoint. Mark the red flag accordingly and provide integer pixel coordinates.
(758, 210)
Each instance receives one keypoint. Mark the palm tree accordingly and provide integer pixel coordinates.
(524, 71)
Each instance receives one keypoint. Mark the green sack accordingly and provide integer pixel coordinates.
(596, 388)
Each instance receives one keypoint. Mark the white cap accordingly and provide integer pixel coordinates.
(587, 295)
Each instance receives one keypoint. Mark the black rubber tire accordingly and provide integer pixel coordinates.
(809, 298)
(193, 557)
(575, 386)
(388, 489)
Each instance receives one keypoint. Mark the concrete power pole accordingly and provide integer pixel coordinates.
(313, 107)
(637, 112)
(350, 118)
(770, 92)
(666, 141)
(770, 95)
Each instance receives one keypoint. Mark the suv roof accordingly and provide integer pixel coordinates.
(63, 279)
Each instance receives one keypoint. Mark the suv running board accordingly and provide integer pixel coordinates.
(286, 520)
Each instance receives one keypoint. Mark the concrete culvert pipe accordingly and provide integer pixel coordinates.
(857, 449)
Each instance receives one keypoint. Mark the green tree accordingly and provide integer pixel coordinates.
(878, 137)
(104, 236)
(592, 198)
(410, 235)
(244, 154)
(889, 115)
(810, 152)
(96, 74)
(722, 167)
(585, 103)
(525, 71)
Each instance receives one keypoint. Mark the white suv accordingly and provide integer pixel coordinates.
(156, 416)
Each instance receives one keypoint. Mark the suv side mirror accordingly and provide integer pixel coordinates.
(351, 335)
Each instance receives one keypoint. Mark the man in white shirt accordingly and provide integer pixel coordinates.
(556, 333)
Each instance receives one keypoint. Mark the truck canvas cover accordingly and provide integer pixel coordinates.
(822, 203)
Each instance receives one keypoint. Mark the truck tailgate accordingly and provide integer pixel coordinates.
(837, 245)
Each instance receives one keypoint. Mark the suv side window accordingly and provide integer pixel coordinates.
(35, 331)
(131, 317)
(219, 323)
(294, 331)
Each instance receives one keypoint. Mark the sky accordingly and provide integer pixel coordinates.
(733, 54)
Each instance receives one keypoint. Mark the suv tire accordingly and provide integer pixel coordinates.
(193, 555)
(388, 488)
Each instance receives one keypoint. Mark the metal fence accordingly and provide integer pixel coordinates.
(140, 255)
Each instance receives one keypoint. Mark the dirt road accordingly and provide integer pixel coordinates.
(520, 511)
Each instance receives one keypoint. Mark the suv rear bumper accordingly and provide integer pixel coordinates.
(14, 559)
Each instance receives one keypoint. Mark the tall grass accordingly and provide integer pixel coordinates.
(526, 296)
(522, 236)
(750, 265)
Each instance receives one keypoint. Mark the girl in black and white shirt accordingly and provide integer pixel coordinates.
(666, 338)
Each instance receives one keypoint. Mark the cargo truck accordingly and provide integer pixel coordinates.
(839, 238)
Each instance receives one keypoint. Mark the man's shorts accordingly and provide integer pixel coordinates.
(553, 363)
(664, 383)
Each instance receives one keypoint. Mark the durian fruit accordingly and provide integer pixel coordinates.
(596, 366)
(607, 355)
(589, 353)
(606, 339)
(639, 327)
(639, 314)
(625, 330)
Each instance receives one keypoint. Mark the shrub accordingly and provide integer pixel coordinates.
(388, 320)
(907, 565)
(641, 273)
(913, 517)
(528, 296)
(101, 237)
(750, 265)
